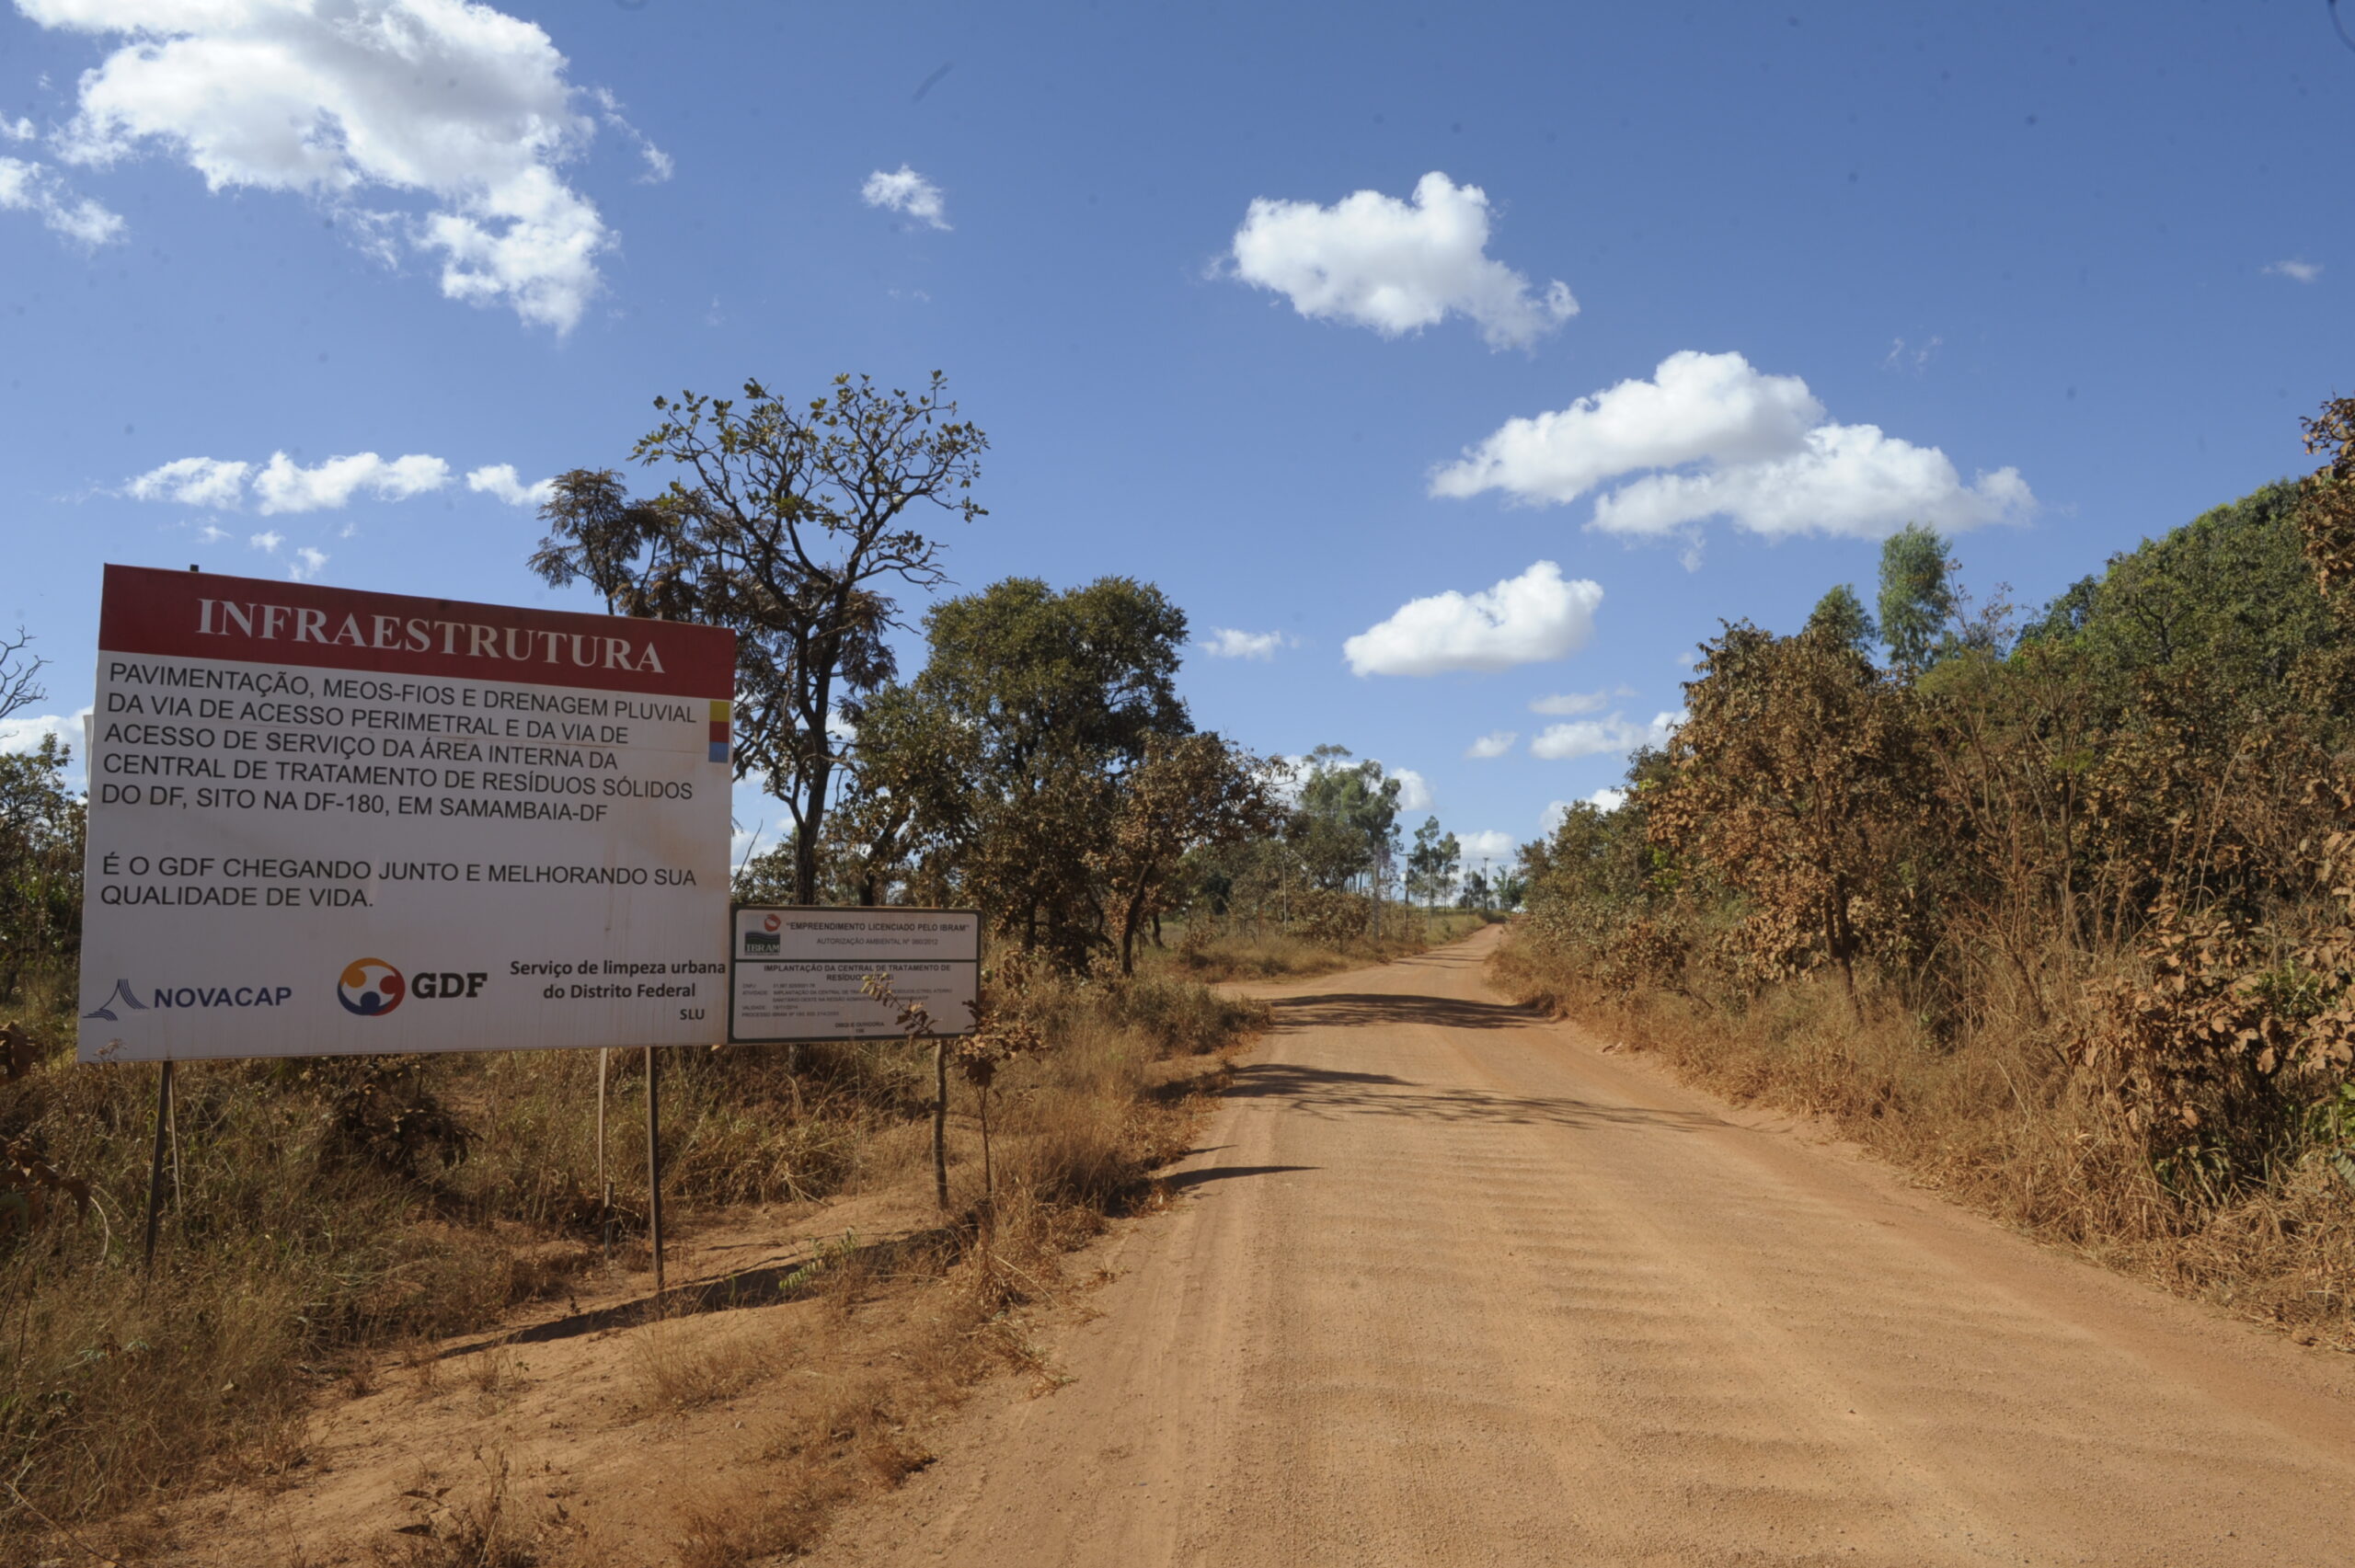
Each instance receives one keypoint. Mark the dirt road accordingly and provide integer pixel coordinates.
(1451, 1286)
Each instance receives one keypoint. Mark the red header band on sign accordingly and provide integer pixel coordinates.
(256, 621)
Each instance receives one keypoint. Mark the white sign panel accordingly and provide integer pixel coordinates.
(325, 821)
(799, 974)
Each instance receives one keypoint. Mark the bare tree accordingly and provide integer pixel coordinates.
(782, 521)
(19, 666)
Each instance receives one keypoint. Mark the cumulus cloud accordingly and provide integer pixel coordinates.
(499, 481)
(1496, 743)
(1537, 616)
(1601, 738)
(1568, 705)
(1394, 265)
(1711, 436)
(210, 534)
(307, 565)
(1490, 843)
(1604, 799)
(2296, 268)
(267, 541)
(1414, 790)
(458, 103)
(909, 192)
(283, 486)
(17, 130)
(192, 481)
(37, 189)
(1226, 642)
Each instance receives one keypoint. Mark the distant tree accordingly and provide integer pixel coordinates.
(1425, 873)
(1917, 596)
(1345, 825)
(1842, 614)
(1476, 891)
(782, 521)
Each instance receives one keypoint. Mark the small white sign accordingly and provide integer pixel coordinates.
(800, 973)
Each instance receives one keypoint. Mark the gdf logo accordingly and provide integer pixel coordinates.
(370, 987)
(445, 985)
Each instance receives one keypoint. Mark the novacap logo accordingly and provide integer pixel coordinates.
(371, 987)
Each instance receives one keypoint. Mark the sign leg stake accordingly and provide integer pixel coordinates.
(654, 1172)
(605, 1183)
(155, 1170)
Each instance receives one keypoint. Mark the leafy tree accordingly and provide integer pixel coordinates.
(1917, 596)
(1793, 782)
(785, 523)
(1843, 615)
(2326, 497)
(1345, 825)
(998, 775)
(1190, 792)
(41, 826)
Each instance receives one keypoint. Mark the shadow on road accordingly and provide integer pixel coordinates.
(1184, 1179)
(1328, 1093)
(786, 1280)
(1342, 1010)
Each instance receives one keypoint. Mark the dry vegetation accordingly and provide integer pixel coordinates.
(1205, 947)
(2060, 921)
(330, 1222)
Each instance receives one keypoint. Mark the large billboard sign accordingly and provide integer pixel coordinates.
(800, 973)
(326, 821)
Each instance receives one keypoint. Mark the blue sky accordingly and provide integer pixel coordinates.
(2058, 277)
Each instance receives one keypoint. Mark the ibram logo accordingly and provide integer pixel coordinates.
(371, 987)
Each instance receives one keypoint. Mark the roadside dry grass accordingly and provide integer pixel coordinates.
(332, 1225)
(1988, 1112)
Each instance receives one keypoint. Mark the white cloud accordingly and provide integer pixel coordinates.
(1599, 738)
(1376, 261)
(498, 480)
(192, 481)
(906, 191)
(210, 534)
(1568, 705)
(308, 563)
(659, 164)
(36, 188)
(23, 732)
(1604, 799)
(17, 130)
(1713, 437)
(268, 542)
(1226, 642)
(283, 486)
(460, 103)
(1496, 743)
(2305, 271)
(1489, 844)
(1522, 620)
(1414, 790)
